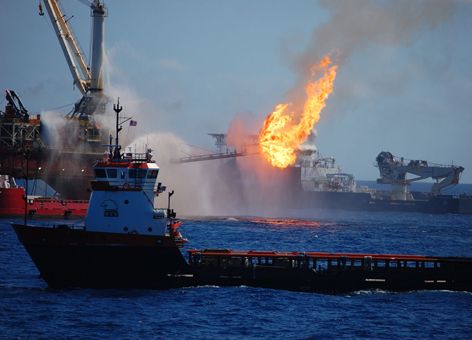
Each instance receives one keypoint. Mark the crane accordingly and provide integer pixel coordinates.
(394, 171)
(16, 106)
(88, 79)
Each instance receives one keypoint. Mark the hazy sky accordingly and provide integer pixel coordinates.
(404, 82)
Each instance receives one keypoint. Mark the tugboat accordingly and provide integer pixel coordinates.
(125, 241)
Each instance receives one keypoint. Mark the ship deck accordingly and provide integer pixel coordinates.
(330, 272)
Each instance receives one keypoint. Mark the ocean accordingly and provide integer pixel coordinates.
(30, 310)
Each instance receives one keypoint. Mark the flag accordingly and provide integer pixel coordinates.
(133, 123)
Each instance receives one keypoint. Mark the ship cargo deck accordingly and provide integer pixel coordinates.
(330, 272)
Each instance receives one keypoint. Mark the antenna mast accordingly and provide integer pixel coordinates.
(117, 108)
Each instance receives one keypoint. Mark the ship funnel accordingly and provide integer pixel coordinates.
(98, 13)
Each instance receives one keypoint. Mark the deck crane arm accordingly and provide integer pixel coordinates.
(74, 56)
(394, 171)
(16, 105)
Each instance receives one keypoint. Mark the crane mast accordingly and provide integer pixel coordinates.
(98, 12)
(89, 79)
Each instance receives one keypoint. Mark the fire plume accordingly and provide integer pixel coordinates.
(285, 129)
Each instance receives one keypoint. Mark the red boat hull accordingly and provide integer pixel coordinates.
(12, 203)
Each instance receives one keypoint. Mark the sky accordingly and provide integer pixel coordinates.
(404, 80)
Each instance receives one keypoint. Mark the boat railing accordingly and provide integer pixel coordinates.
(318, 262)
(131, 185)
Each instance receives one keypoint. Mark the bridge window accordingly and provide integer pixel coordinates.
(100, 173)
(111, 173)
(152, 174)
(137, 173)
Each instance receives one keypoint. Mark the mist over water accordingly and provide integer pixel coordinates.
(237, 186)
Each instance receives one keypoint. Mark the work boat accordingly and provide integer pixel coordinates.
(124, 242)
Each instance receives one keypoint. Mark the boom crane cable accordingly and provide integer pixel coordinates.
(59, 107)
(89, 4)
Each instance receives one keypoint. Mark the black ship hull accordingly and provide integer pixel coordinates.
(297, 198)
(71, 258)
(331, 272)
(68, 257)
(359, 201)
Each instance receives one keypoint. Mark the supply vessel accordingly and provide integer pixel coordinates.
(14, 202)
(126, 242)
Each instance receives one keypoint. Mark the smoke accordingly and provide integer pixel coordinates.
(53, 125)
(353, 26)
(201, 188)
(359, 24)
(235, 186)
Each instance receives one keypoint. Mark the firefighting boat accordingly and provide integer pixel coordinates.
(125, 241)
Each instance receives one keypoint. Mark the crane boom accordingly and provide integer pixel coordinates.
(89, 79)
(394, 171)
(74, 56)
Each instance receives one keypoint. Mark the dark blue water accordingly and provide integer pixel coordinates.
(28, 309)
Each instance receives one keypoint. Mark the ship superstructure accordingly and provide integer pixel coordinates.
(320, 173)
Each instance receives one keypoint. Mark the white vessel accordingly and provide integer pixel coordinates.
(125, 241)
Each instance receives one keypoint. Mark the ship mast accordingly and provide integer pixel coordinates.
(117, 108)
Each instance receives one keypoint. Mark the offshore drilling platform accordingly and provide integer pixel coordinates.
(63, 161)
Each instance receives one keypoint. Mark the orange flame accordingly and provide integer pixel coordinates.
(280, 135)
